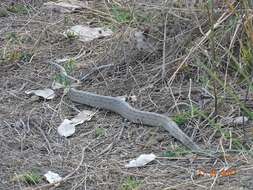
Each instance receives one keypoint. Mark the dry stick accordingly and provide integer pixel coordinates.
(214, 181)
(229, 48)
(213, 60)
(110, 146)
(224, 17)
(94, 70)
(189, 97)
(164, 46)
(248, 28)
(187, 183)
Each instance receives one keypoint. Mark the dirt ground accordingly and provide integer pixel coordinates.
(96, 154)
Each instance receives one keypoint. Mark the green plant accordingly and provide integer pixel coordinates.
(30, 177)
(247, 56)
(71, 35)
(26, 56)
(130, 184)
(18, 8)
(12, 37)
(62, 79)
(66, 19)
(69, 67)
(18, 55)
(121, 15)
(3, 12)
(13, 56)
(183, 117)
(178, 152)
(99, 132)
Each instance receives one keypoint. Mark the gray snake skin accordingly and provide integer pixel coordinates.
(125, 110)
(136, 116)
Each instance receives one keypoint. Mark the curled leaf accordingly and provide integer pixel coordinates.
(67, 128)
(86, 33)
(142, 160)
(52, 177)
(83, 116)
(46, 93)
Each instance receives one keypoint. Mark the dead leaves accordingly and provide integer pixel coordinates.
(87, 33)
(67, 127)
(141, 161)
(46, 93)
(65, 6)
(223, 172)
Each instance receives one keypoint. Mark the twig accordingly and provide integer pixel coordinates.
(94, 70)
(164, 46)
(224, 17)
(229, 55)
(213, 59)
(187, 183)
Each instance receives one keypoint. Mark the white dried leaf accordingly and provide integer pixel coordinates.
(63, 60)
(86, 33)
(46, 93)
(142, 160)
(83, 116)
(52, 177)
(65, 6)
(67, 128)
(239, 120)
(142, 42)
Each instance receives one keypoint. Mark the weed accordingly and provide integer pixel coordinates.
(121, 15)
(13, 56)
(69, 67)
(99, 132)
(30, 177)
(247, 56)
(178, 152)
(18, 55)
(18, 8)
(71, 35)
(130, 184)
(12, 36)
(182, 118)
(26, 56)
(62, 79)
(66, 20)
(3, 12)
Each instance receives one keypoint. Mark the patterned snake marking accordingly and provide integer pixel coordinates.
(136, 116)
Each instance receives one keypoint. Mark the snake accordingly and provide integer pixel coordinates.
(121, 107)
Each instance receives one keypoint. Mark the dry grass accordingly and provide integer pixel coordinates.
(176, 79)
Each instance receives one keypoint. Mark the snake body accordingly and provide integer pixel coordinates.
(121, 107)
